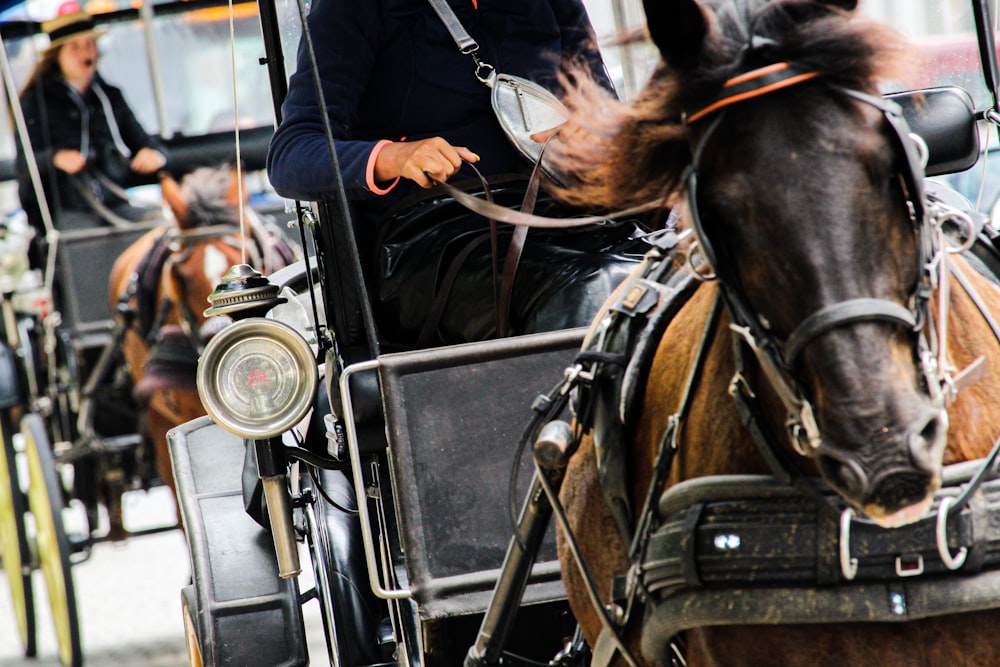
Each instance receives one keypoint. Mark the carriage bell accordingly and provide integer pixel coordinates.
(243, 292)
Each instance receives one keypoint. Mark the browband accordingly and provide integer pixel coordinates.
(754, 84)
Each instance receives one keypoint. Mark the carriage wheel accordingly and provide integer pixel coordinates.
(190, 630)
(327, 531)
(46, 503)
(15, 552)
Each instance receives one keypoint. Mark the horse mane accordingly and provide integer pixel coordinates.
(630, 154)
(206, 196)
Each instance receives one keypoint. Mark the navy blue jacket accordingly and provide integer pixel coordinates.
(390, 70)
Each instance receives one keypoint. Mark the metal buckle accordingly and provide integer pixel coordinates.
(909, 567)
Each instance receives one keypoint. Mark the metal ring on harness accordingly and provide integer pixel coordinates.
(848, 565)
(941, 534)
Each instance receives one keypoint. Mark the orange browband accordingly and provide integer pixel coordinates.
(765, 80)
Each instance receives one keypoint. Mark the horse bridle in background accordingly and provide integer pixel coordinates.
(178, 245)
(777, 360)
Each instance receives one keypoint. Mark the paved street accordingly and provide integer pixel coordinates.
(128, 600)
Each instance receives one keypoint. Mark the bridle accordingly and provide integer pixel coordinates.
(180, 243)
(776, 359)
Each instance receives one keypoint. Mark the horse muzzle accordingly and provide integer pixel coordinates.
(893, 481)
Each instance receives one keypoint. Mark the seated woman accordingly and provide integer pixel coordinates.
(406, 107)
(84, 137)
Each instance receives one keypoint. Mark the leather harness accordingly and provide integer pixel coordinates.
(783, 548)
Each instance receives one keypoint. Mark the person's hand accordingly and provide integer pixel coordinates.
(570, 130)
(69, 161)
(418, 161)
(545, 135)
(148, 160)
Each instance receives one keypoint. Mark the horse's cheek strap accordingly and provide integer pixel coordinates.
(843, 313)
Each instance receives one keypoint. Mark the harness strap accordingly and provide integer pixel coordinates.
(145, 280)
(510, 216)
(621, 349)
(843, 313)
(754, 83)
(756, 535)
(515, 248)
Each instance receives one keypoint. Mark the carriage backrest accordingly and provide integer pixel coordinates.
(455, 416)
(83, 260)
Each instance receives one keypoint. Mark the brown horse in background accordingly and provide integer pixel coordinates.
(165, 278)
(799, 191)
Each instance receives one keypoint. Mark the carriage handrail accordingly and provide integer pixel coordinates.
(36, 178)
(359, 484)
(146, 14)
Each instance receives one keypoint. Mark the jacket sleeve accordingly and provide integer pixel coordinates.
(41, 147)
(580, 40)
(345, 36)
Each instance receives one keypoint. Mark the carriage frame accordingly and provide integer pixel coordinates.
(379, 437)
(375, 419)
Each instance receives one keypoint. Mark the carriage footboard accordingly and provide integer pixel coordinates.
(244, 613)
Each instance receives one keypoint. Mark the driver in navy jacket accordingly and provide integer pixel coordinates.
(405, 103)
(403, 100)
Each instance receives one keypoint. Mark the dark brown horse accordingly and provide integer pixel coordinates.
(166, 277)
(764, 119)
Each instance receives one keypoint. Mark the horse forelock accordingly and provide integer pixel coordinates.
(642, 148)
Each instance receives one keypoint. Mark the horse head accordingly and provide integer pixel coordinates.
(804, 191)
(206, 196)
(215, 229)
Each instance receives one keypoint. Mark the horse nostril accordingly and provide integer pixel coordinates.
(845, 474)
(924, 445)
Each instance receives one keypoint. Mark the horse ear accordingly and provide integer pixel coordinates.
(171, 190)
(678, 28)
(233, 195)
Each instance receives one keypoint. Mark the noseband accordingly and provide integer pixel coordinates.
(777, 360)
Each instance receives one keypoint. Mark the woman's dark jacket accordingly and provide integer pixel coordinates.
(390, 70)
(58, 118)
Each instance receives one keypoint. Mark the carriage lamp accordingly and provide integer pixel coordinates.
(257, 378)
(243, 292)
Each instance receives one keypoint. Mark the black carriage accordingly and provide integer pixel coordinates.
(394, 472)
(71, 432)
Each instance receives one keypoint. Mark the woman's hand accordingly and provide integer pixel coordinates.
(148, 160)
(572, 130)
(420, 160)
(69, 161)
